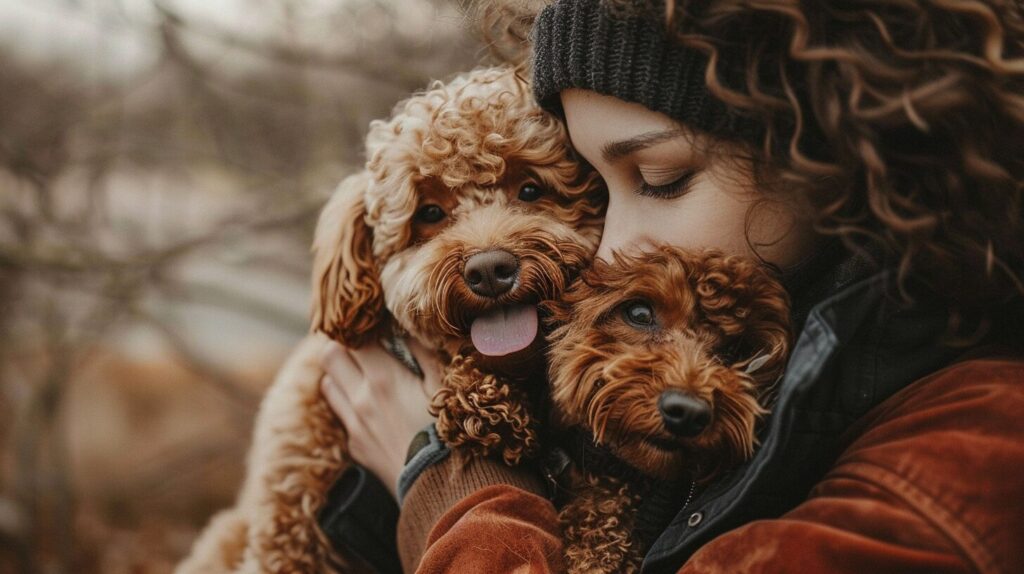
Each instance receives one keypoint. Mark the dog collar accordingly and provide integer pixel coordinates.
(578, 450)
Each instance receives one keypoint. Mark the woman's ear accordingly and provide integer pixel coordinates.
(348, 303)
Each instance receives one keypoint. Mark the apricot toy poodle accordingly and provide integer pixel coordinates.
(471, 210)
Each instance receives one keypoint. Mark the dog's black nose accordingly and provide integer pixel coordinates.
(491, 273)
(683, 414)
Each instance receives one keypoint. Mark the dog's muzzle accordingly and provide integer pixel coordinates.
(684, 415)
(491, 273)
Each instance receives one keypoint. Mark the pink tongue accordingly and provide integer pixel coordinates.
(504, 330)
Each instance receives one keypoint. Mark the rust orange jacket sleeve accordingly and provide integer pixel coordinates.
(933, 481)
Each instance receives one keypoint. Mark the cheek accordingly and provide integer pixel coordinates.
(712, 216)
(703, 218)
(781, 236)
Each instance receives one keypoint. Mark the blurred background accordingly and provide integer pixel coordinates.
(162, 163)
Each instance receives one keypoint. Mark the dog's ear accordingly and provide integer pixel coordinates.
(750, 311)
(559, 312)
(348, 303)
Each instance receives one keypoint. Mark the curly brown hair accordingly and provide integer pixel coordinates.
(898, 123)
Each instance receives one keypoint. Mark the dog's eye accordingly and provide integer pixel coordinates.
(530, 192)
(639, 314)
(430, 214)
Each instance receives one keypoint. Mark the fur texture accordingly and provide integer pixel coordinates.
(710, 317)
(385, 264)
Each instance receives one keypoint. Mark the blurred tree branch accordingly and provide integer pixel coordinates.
(382, 68)
(116, 192)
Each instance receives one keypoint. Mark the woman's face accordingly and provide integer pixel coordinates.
(665, 187)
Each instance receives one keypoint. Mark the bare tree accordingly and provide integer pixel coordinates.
(192, 183)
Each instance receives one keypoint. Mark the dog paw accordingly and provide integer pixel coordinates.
(482, 415)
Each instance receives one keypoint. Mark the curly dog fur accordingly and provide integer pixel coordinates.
(442, 182)
(711, 326)
(478, 413)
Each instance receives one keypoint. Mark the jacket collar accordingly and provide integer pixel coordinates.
(857, 347)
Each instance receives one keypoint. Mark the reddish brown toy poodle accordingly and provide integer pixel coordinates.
(663, 364)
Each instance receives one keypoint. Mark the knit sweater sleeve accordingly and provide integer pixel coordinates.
(478, 516)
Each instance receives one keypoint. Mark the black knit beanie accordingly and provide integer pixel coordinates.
(585, 44)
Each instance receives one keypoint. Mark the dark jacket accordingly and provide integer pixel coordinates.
(858, 347)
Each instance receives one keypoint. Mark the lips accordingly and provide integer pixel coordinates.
(504, 330)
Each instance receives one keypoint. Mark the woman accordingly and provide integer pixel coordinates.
(871, 156)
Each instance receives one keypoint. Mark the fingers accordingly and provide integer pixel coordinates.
(362, 381)
(373, 359)
(338, 361)
(431, 367)
(371, 393)
(335, 396)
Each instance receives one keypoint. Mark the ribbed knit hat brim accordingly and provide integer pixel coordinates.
(586, 44)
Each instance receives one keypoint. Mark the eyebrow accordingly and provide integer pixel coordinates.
(612, 151)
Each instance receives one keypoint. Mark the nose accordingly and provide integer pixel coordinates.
(491, 273)
(684, 415)
(611, 240)
(625, 229)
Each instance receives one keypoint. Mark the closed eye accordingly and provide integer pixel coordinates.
(671, 190)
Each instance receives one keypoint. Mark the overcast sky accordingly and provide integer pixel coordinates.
(115, 38)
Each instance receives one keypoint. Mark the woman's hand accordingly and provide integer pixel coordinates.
(381, 403)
